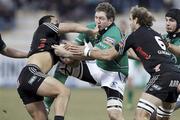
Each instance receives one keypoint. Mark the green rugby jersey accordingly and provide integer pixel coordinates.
(175, 41)
(111, 34)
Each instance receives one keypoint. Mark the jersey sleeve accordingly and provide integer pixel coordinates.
(2, 44)
(125, 44)
(128, 42)
(177, 42)
(51, 28)
(113, 37)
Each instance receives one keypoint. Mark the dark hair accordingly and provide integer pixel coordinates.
(46, 18)
(175, 14)
(145, 18)
(107, 8)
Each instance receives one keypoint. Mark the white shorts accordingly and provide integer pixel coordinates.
(178, 99)
(113, 80)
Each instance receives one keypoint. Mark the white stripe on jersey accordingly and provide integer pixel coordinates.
(52, 26)
(34, 71)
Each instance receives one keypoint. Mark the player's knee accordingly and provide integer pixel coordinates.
(115, 115)
(38, 116)
(114, 108)
(61, 91)
(64, 92)
(144, 110)
(141, 115)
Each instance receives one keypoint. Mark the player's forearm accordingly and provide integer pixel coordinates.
(10, 52)
(73, 27)
(103, 54)
(174, 49)
(132, 54)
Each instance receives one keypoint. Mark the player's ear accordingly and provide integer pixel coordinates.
(111, 21)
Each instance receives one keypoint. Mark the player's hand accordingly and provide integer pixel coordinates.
(61, 51)
(76, 50)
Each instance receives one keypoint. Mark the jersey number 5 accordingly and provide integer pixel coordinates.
(160, 42)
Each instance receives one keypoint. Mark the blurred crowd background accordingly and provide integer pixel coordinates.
(73, 9)
(19, 19)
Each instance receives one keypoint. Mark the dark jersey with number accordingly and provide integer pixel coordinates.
(152, 51)
(2, 44)
(45, 36)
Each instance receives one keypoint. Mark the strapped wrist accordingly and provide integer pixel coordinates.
(87, 51)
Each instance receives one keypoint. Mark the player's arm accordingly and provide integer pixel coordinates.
(108, 54)
(74, 27)
(132, 54)
(175, 49)
(85, 52)
(11, 52)
(113, 50)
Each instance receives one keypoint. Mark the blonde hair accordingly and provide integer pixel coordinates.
(145, 17)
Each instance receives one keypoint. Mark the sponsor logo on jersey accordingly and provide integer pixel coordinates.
(163, 52)
(110, 40)
(32, 79)
(143, 53)
(174, 83)
(114, 84)
(42, 43)
(156, 87)
(157, 68)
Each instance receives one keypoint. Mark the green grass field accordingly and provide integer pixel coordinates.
(85, 104)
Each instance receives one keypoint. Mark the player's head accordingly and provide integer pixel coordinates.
(140, 16)
(104, 15)
(49, 19)
(172, 20)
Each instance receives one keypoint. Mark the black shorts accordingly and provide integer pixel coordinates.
(164, 86)
(29, 81)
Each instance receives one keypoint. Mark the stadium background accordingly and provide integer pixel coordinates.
(19, 19)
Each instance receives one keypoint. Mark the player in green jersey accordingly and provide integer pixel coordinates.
(110, 75)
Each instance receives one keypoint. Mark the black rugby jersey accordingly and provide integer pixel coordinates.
(45, 36)
(2, 44)
(150, 48)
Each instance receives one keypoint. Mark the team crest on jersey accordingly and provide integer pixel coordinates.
(110, 40)
(42, 43)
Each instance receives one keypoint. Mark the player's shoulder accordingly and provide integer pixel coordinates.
(49, 26)
(113, 31)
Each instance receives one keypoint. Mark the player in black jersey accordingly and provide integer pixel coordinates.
(172, 39)
(33, 82)
(163, 88)
(10, 52)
